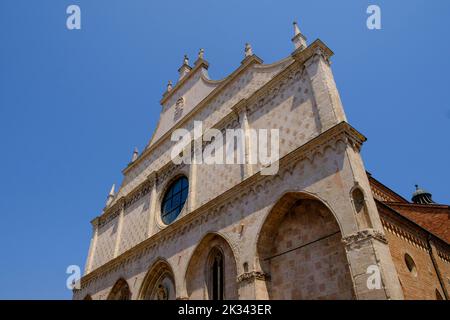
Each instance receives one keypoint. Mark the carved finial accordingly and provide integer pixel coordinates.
(296, 29)
(135, 155)
(421, 196)
(201, 53)
(185, 68)
(169, 86)
(248, 50)
(112, 191)
(299, 39)
(111, 195)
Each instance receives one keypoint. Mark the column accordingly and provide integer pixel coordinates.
(152, 207)
(119, 229)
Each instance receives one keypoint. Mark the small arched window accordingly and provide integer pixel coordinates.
(410, 264)
(216, 274)
(362, 216)
(120, 291)
(174, 200)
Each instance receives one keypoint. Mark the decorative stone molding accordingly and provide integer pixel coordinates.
(152, 177)
(138, 194)
(404, 233)
(253, 275)
(168, 171)
(364, 235)
(240, 106)
(317, 48)
(252, 187)
(110, 214)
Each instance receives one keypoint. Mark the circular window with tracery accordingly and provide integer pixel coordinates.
(174, 200)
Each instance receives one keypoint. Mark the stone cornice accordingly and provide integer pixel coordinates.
(240, 106)
(317, 46)
(109, 214)
(341, 132)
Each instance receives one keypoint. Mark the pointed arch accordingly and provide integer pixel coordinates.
(159, 282)
(300, 248)
(211, 272)
(120, 291)
(215, 273)
(359, 201)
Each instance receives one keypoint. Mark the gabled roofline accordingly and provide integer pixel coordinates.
(300, 56)
(408, 220)
(385, 189)
(199, 64)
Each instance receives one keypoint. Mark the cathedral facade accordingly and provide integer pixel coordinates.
(320, 227)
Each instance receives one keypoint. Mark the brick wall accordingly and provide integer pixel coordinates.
(404, 238)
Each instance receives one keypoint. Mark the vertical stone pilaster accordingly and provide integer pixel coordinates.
(152, 207)
(192, 186)
(368, 257)
(326, 95)
(249, 158)
(93, 246)
(253, 286)
(119, 230)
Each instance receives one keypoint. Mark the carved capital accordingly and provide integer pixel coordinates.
(253, 275)
(240, 107)
(364, 235)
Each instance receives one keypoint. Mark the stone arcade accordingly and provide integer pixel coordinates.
(311, 231)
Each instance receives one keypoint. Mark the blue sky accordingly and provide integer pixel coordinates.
(74, 104)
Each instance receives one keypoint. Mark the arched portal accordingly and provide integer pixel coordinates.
(300, 247)
(159, 283)
(120, 291)
(211, 272)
